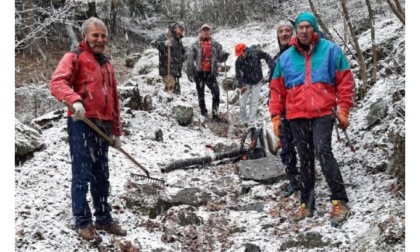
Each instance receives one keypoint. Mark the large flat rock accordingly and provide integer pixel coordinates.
(266, 170)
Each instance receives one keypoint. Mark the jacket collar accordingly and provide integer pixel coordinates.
(101, 58)
(294, 42)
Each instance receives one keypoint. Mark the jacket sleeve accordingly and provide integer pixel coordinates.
(219, 50)
(344, 82)
(183, 53)
(60, 86)
(239, 75)
(263, 55)
(278, 92)
(116, 122)
(159, 43)
(191, 61)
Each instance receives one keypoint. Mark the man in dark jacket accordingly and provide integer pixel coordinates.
(85, 79)
(202, 68)
(249, 75)
(170, 44)
(288, 153)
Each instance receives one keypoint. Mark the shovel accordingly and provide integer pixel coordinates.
(111, 142)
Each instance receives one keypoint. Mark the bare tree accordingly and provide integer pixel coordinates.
(395, 9)
(372, 34)
(36, 28)
(114, 5)
(359, 52)
(320, 21)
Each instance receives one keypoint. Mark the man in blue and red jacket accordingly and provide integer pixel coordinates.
(85, 78)
(312, 78)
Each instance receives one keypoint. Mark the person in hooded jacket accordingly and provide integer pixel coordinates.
(284, 33)
(171, 44)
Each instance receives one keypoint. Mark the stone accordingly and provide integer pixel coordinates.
(258, 207)
(159, 135)
(308, 240)
(188, 218)
(377, 112)
(183, 113)
(132, 59)
(267, 170)
(45, 121)
(221, 147)
(249, 247)
(189, 196)
(27, 140)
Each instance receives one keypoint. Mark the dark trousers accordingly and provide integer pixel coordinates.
(288, 152)
(313, 136)
(89, 155)
(202, 79)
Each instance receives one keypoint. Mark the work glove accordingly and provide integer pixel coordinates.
(79, 111)
(168, 42)
(276, 125)
(276, 129)
(117, 142)
(225, 56)
(191, 78)
(243, 89)
(343, 118)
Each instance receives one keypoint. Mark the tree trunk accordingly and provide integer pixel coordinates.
(394, 9)
(321, 23)
(372, 34)
(397, 3)
(92, 10)
(182, 9)
(358, 50)
(114, 5)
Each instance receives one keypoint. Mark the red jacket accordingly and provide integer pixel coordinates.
(310, 84)
(82, 78)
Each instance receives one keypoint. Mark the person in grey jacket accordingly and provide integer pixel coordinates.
(172, 41)
(202, 68)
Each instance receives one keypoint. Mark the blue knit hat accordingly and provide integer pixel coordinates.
(307, 16)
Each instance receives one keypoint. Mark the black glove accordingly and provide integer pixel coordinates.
(225, 56)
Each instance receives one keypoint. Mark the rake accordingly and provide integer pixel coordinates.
(144, 178)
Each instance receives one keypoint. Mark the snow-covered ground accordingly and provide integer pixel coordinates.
(44, 222)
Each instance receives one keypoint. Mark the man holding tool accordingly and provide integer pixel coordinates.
(311, 78)
(85, 79)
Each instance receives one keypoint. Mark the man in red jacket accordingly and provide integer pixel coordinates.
(311, 78)
(85, 79)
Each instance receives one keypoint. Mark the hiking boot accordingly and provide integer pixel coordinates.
(89, 233)
(339, 212)
(290, 190)
(301, 214)
(112, 228)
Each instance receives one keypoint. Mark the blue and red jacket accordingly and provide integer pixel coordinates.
(311, 83)
(81, 77)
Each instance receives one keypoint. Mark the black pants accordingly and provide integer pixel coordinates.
(314, 135)
(288, 153)
(202, 79)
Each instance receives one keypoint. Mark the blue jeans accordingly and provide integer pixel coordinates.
(313, 136)
(288, 152)
(89, 154)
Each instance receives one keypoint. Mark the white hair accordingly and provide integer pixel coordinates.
(94, 21)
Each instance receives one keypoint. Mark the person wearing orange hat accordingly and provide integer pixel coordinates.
(249, 75)
(202, 68)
